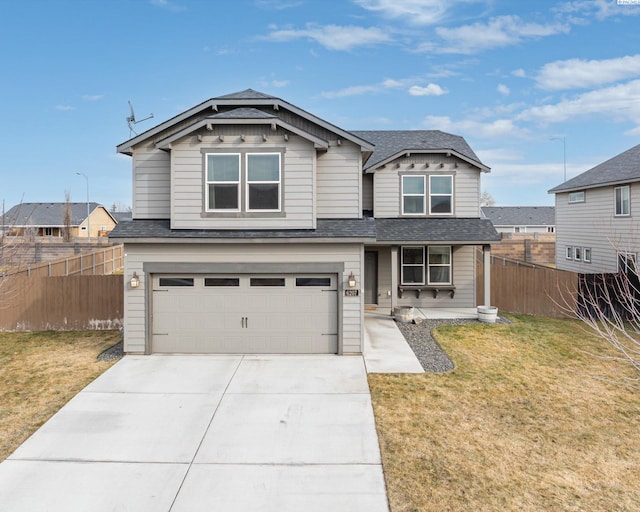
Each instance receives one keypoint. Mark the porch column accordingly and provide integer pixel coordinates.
(394, 277)
(486, 267)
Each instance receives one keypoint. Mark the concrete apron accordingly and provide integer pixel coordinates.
(201, 433)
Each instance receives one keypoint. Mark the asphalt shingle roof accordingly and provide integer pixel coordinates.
(436, 230)
(622, 168)
(391, 142)
(384, 230)
(520, 215)
(243, 113)
(46, 214)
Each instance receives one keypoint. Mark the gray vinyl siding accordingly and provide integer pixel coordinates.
(367, 192)
(138, 254)
(466, 184)
(592, 224)
(339, 182)
(464, 279)
(151, 183)
(188, 185)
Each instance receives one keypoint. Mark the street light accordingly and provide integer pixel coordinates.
(564, 154)
(88, 213)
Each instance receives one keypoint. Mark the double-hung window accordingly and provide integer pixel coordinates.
(243, 182)
(439, 262)
(412, 265)
(223, 182)
(622, 201)
(263, 182)
(413, 195)
(440, 195)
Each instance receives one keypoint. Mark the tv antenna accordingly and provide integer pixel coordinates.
(131, 120)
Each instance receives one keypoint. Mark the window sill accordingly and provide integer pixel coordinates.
(242, 215)
(435, 289)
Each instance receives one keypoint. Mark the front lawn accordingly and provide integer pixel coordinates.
(528, 420)
(42, 371)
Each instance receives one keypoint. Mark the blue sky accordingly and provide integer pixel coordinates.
(522, 81)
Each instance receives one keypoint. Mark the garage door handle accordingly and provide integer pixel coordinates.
(244, 322)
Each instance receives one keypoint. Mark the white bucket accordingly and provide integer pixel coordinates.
(404, 313)
(487, 314)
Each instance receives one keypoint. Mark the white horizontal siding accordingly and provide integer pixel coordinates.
(593, 224)
(466, 184)
(338, 182)
(137, 254)
(151, 183)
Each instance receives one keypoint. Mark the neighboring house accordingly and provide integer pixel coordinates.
(597, 226)
(521, 219)
(37, 220)
(261, 228)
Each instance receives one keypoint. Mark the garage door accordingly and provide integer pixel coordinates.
(246, 314)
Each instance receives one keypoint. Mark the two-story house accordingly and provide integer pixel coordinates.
(597, 226)
(261, 228)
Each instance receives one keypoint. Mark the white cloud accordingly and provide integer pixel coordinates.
(92, 97)
(429, 90)
(498, 32)
(520, 73)
(582, 11)
(169, 6)
(64, 108)
(621, 102)
(333, 37)
(416, 12)
(279, 83)
(504, 90)
(578, 73)
(277, 5)
(497, 128)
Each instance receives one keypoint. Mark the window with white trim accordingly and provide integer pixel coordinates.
(223, 182)
(412, 265)
(413, 195)
(440, 195)
(586, 254)
(576, 197)
(622, 201)
(569, 253)
(439, 264)
(577, 253)
(243, 182)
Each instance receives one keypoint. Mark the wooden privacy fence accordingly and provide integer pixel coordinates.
(62, 303)
(101, 262)
(519, 287)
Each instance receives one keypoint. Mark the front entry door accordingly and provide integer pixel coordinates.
(370, 277)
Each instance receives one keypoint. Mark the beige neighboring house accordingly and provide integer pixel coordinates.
(597, 216)
(258, 227)
(47, 220)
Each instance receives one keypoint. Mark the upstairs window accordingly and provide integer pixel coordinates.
(223, 182)
(622, 201)
(413, 195)
(576, 197)
(440, 195)
(263, 182)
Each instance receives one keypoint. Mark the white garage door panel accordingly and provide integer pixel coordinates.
(245, 319)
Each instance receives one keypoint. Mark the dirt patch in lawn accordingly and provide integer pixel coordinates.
(528, 420)
(42, 371)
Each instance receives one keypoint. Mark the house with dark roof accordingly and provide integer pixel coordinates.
(521, 219)
(38, 220)
(597, 228)
(258, 227)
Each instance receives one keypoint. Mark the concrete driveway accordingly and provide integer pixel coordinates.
(202, 433)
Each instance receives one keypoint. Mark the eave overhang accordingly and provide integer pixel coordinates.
(408, 152)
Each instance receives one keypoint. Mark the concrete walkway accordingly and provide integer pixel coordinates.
(201, 433)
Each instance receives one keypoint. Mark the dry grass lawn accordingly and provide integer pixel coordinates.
(528, 421)
(42, 371)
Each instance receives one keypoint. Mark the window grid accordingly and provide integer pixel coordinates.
(440, 203)
(412, 267)
(410, 200)
(439, 263)
(622, 200)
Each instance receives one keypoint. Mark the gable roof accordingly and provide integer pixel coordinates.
(246, 99)
(520, 215)
(390, 144)
(622, 168)
(48, 214)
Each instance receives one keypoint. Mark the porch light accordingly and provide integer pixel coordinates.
(351, 281)
(134, 282)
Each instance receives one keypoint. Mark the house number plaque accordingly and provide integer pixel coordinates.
(351, 293)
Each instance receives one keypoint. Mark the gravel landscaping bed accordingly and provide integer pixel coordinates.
(112, 353)
(431, 355)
